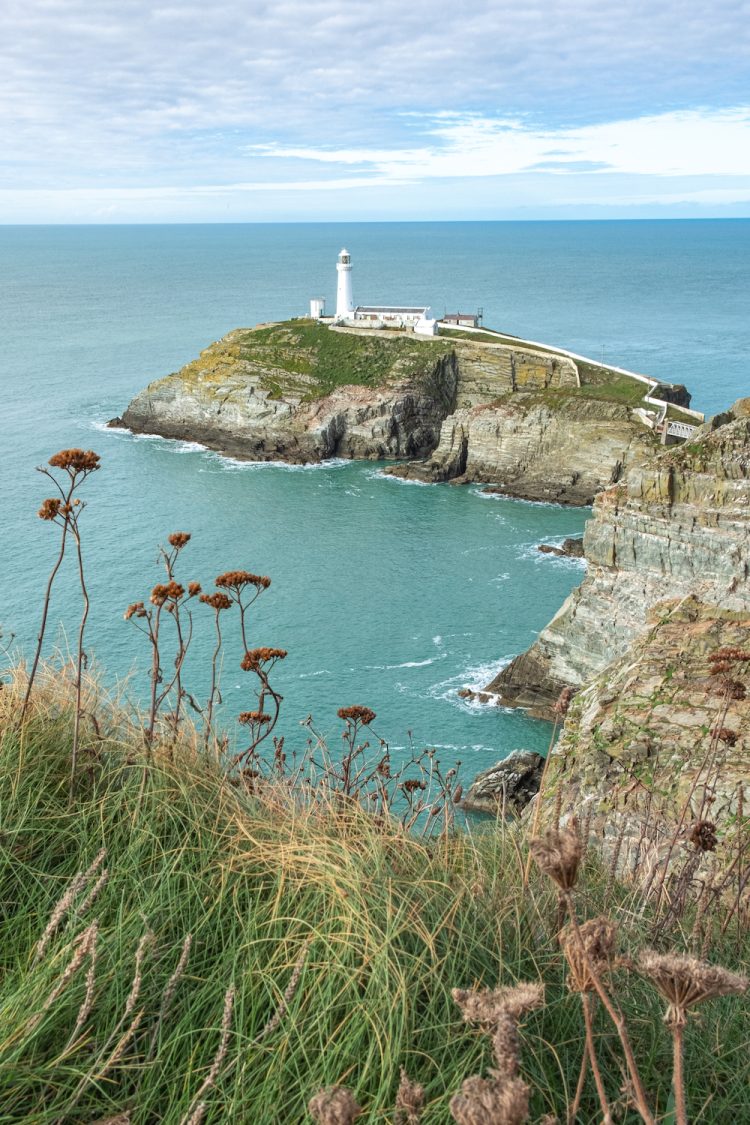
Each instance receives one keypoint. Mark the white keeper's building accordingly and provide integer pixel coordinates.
(419, 320)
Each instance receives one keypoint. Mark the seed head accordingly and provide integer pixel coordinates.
(357, 714)
(725, 734)
(179, 539)
(564, 700)
(487, 1005)
(334, 1105)
(409, 1101)
(247, 718)
(558, 854)
(75, 460)
(167, 592)
(588, 951)
(685, 982)
(253, 660)
(136, 609)
(50, 508)
(483, 1101)
(703, 836)
(238, 579)
(194, 588)
(217, 600)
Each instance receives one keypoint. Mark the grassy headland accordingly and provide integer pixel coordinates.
(370, 925)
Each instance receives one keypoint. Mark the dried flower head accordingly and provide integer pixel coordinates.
(194, 588)
(487, 1005)
(167, 592)
(735, 689)
(564, 700)
(50, 509)
(357, 714)
(136, 609)
(75, 460)
(412, 784)
(703, 836)
(730, 653)
(725, 734)
(179, 539)
(247, 718)
(217, 600)
(335, 1105)
(255, 658)
(483, 1101)
(238, 579)
(409, 1101)
(558, 854)
(685, 982)
(589, 950)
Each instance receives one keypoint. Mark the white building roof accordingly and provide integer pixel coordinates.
(401, 309)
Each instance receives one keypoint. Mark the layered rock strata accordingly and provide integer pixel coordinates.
(549, 447)
(676, 528)
(657, 742)
(240, 404)
(506, 788)
(456, 409)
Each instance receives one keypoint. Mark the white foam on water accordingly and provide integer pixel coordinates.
(236, 464)
(380, 474)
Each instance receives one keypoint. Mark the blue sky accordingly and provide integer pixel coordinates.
(144, 112)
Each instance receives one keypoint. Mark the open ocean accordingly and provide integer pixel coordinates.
(387, 594)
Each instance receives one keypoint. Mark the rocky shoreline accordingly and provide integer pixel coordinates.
(533, 424)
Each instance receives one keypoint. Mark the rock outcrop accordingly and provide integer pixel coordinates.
(657, 741)
(675, 528)
(507, 787)
(572, 548)
(557, 447)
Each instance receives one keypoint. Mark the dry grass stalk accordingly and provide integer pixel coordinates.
(169, 991)
(275, 1020)
(335, 1105)
(62, 907)
(88, 1001)
(410, 1099)
(685, 982)
(221, 1051)
(82, 948)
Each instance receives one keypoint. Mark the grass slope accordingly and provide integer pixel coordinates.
(390, 924)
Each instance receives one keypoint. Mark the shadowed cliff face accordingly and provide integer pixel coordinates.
(680, 527)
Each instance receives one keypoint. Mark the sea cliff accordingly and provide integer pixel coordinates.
(531, 421)
(674, 528)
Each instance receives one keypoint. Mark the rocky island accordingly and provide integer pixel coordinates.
(529, 420)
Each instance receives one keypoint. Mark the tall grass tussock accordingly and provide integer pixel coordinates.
(193, 930)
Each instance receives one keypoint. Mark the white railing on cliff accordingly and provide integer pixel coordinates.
(649, 379)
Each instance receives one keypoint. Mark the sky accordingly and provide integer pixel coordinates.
(303, 110)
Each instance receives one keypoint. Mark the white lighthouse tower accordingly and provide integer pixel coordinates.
(344, 298)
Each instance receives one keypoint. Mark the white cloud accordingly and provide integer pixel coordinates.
(686, 143)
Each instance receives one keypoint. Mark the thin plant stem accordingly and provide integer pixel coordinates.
(81, 656)
(678, 1078)
(586, 1000)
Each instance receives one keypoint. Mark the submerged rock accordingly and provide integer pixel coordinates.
(507, 786)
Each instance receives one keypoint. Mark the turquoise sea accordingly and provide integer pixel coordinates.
(387, 594)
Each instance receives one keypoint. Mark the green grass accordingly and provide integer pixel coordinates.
(336, 359)
(393, 924)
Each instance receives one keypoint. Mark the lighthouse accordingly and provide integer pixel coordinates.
(344, 298)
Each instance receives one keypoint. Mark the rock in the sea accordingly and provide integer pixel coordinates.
(506, 787)
(677, 527)
(571, 549)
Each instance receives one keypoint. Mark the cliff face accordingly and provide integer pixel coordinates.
(658, 733)
(251, 400)
(457, 409)
(680, 527)
(535, 446)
